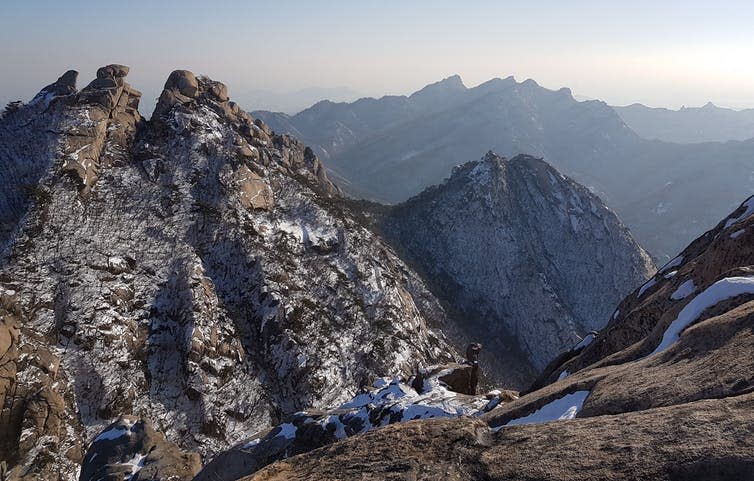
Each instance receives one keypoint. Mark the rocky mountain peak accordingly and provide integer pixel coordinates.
(195, 271)
(65, 85)
(509, 244)
(442, 92)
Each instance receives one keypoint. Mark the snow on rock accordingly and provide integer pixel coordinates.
(564, 408)
(675, 262)
(717, 292)
(287, 431)
(388, 401)
(135, 464)
(647, 285)
(563, 375)
(737, 234)
(585, 341)
(684, 290)
(749, 210)
(670, 274)
(112, 434)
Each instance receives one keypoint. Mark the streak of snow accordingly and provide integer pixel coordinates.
(564, 408)
(287, 430)
(135, 464)
(717, 292)
(649, 284)
(114, 433)
(584, 342)
(683, 290)
(737, 234)
(675, 262)
(749, 204)
(564, 375)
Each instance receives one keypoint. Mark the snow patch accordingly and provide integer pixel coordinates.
(677, 261)
(648, 285)
(749, 204)
(584, 342)
(287, 430)
(684, 290)
(561, 409)
(251, 444)
(135, 464)
(564, 375)
(737, 234)
(111, 434)
(717, 292)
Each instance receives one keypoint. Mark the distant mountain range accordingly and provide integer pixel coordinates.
(389, 149)
(295, 101)
(709, 123)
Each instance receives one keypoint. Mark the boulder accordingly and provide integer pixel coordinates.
(131, 448)
(183, 82)
(112, 71)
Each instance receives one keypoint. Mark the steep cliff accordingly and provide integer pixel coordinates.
(195, 271)
(519, 252)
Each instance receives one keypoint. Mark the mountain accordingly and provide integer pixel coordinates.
(516, 249)
(195, 276)
(664, 392)
(295, 101)
(392, 148)
(709, 123)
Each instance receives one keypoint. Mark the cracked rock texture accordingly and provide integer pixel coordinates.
(196, 271)
(518, 251)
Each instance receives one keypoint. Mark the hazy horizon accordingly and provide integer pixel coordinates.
(671, 55)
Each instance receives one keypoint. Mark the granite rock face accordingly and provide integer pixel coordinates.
(196, 271)
(519, 251)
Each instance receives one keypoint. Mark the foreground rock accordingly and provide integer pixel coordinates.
(529, 259)
(197, 271)
(431, 395)
(664, 392)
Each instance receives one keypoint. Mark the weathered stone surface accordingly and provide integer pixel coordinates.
(65, 85)
(155, 280)
(703, 440)
(387, 402)
(254, 192)
(665, 393)
(100, 126)
(130, 448)
(112, 71)
(512, 245)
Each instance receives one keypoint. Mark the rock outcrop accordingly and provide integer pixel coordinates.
(195, 271)
(518, 250)
(428, 396)
(129, 448)
(664, 392)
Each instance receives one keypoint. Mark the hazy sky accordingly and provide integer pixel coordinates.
(661, 53)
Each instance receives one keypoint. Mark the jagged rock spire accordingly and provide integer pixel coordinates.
(64, 85)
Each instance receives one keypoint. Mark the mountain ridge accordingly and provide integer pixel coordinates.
(388, 151)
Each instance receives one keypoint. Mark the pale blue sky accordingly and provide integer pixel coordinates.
(667, 53)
